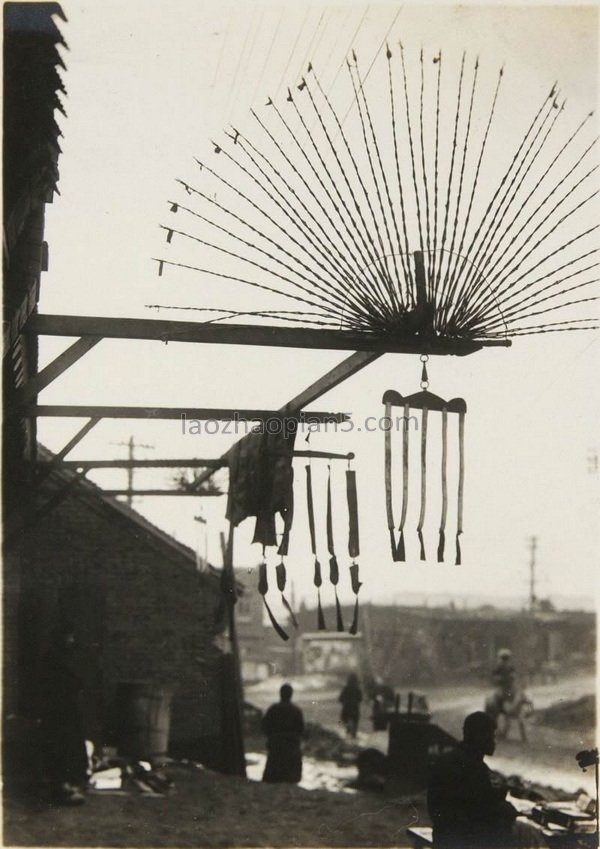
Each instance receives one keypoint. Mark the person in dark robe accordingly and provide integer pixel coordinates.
(283, 724)
(64, 754)
(467, 811)
(350, 698)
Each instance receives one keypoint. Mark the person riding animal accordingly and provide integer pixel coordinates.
(508, 701)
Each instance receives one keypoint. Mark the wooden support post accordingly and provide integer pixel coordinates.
(58, 458)
(40, 512)
(54, 369)
(237, 765)
(420, 279)
(348, 367)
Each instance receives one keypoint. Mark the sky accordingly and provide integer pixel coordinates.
(149, 85)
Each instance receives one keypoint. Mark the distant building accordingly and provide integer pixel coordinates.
(332, 653)
(420, 645)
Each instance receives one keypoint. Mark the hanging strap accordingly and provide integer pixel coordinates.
(317, 580)
(288, 516)
(423, 480)
(263, 587)
(398, 553)
(442, 540)
(334, 570)
(356, 585)
(281, 581)
(388, 481)
(405, 432)
(353, 539)
(353, 542)
(461, 483)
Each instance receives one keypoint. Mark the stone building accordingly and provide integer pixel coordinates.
(141, 611)
(32, 89)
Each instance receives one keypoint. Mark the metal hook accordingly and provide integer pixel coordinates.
(424, 376)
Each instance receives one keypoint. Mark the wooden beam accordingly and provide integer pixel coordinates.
(141, 464)
(348, 367)
(59, 457)
(243, 334)
(54, 369)
(143, 492)
(57, 497)
(184, 415)
(324, 455)
(183, 463)
(41, 511)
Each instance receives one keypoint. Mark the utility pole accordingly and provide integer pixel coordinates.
(532, 551)
(131, 444)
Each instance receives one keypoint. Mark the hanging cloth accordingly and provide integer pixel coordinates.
(461, 483)
(353, 541)
(260, 467)
(442, 540)
(334, 571)
(263, 587)
(317, 579)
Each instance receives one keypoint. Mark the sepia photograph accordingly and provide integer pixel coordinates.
(300, 466)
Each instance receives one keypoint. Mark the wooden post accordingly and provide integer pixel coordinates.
(420, 281)
(237, 759)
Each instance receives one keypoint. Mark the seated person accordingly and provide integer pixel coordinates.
(466, 810)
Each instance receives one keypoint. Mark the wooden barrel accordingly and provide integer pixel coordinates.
(145, 719)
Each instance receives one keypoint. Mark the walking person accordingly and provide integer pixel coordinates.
(283, 723)
(350, 698)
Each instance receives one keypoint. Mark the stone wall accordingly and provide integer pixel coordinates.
(140, 609)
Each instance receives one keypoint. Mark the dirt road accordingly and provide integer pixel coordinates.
(548, 757)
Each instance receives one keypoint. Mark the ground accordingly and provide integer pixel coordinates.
(205, 809)
(548, 757)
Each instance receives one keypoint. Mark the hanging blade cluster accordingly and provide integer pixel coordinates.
(341, 216)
